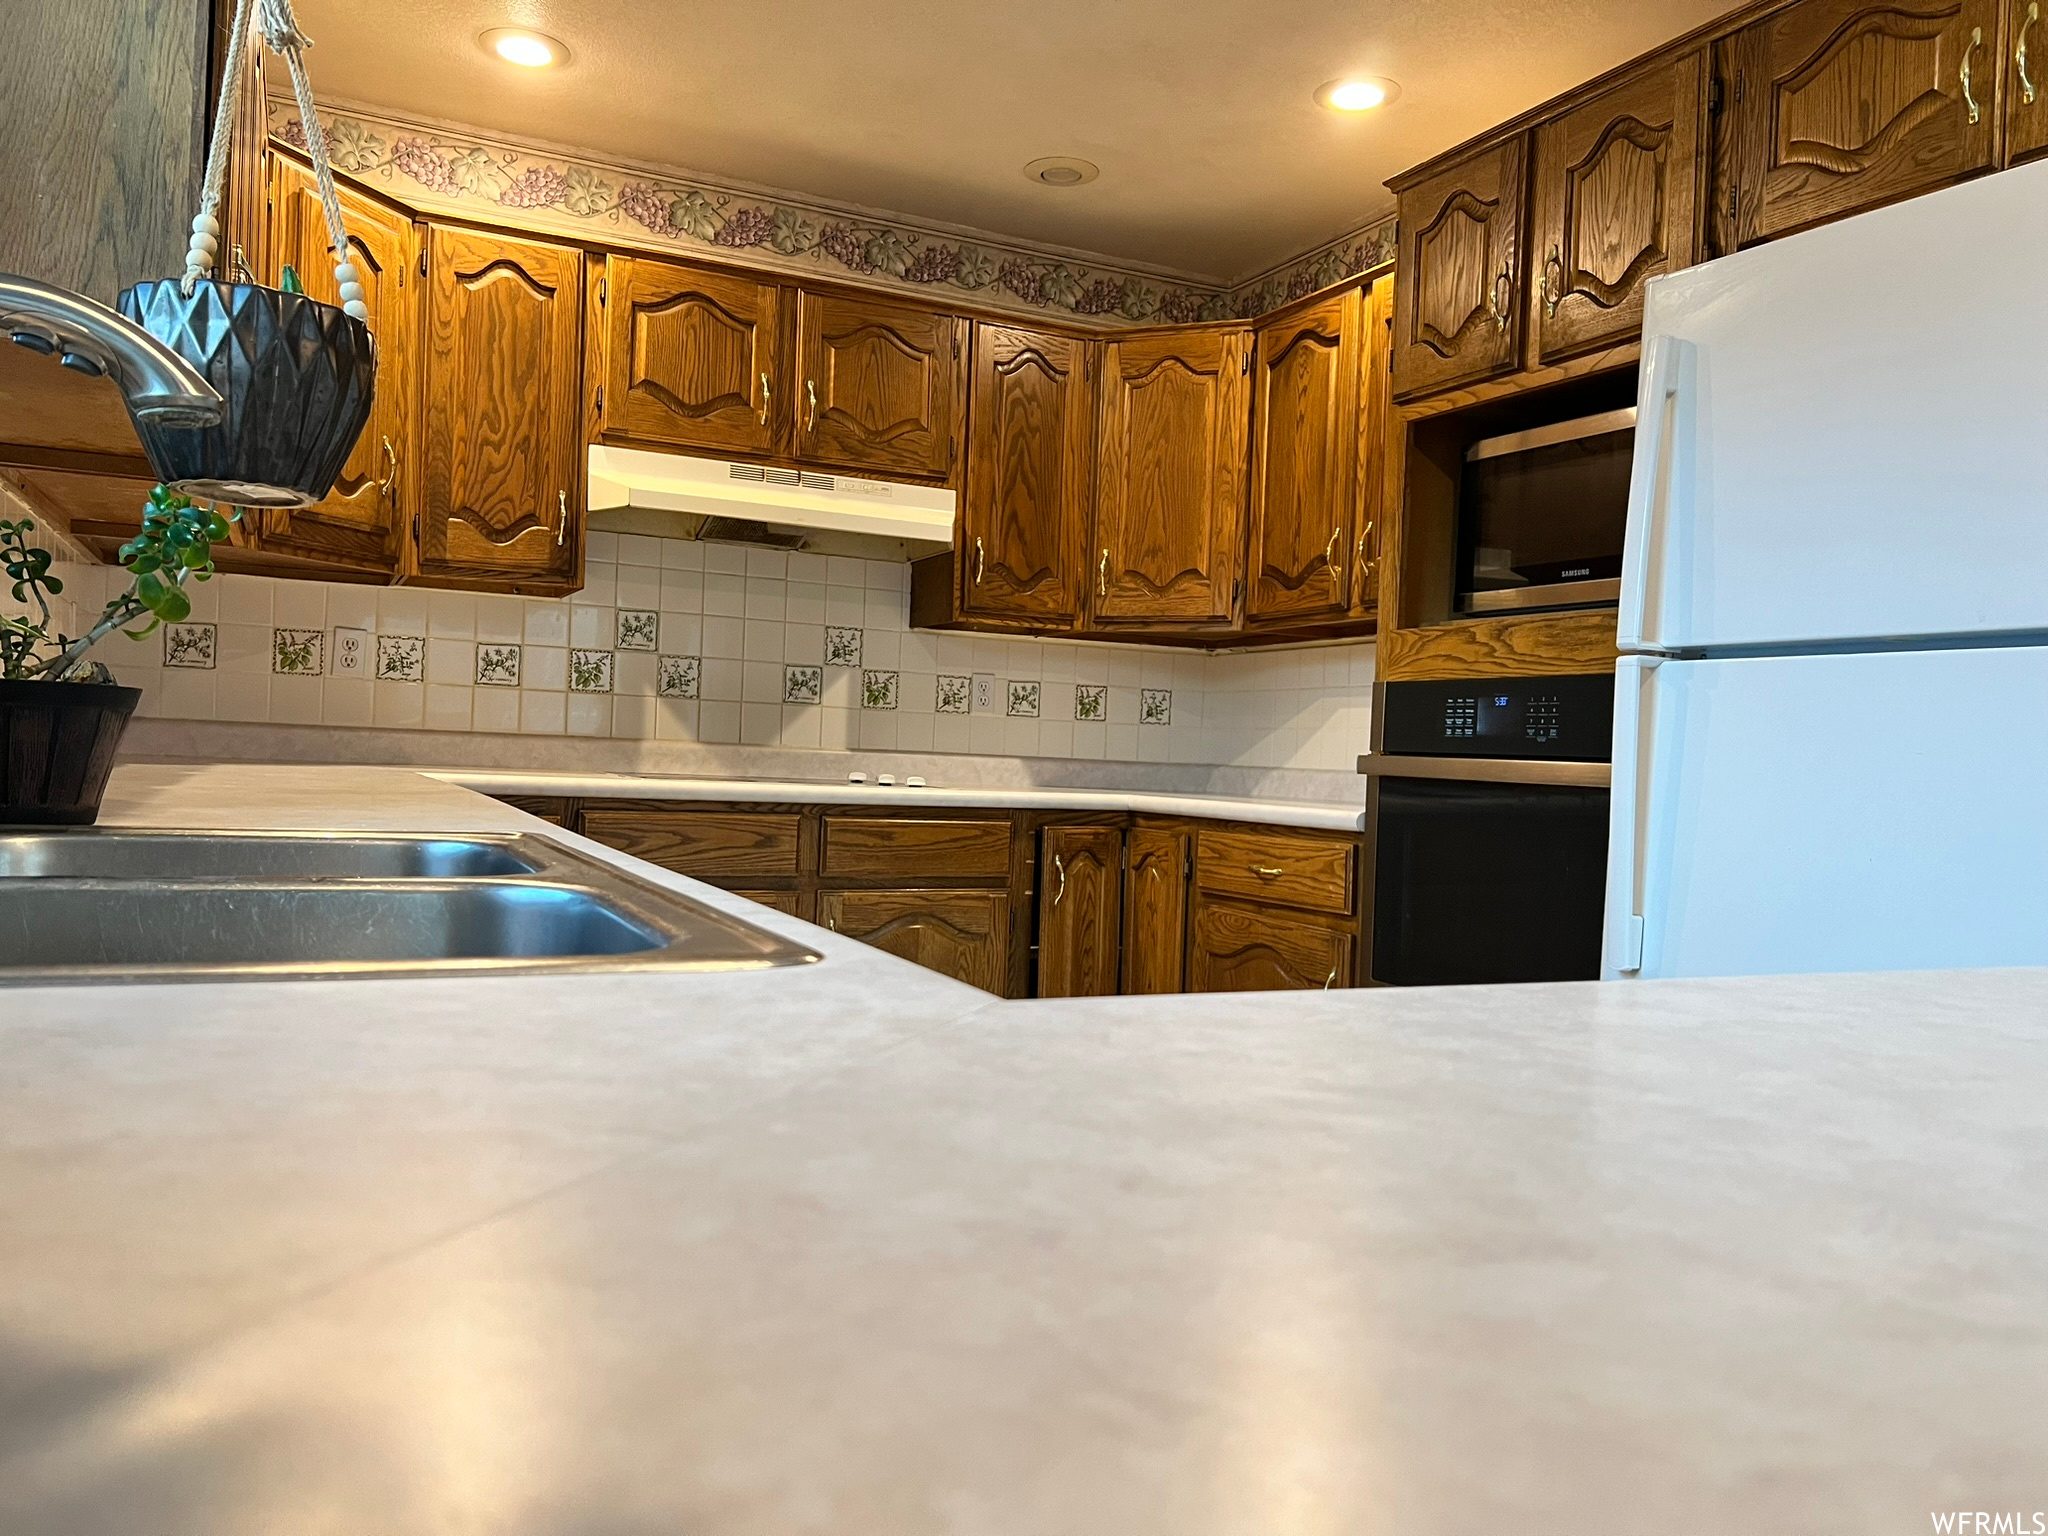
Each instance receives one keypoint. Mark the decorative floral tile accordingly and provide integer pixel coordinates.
(803, 685)
(677, 677)
(878, 690)
(1091, 702)
(1023, 701)
(497, 666)
(1155, 706)
(401, 659)
(842, 647)
(956, 695)
(189, 645)
(298, 652)
(591, 671)
(351, 654)
(638, 630)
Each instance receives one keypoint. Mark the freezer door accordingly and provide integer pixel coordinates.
(1852, 442)
(1867, 812)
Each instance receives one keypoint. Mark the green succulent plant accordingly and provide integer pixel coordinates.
(175, 546)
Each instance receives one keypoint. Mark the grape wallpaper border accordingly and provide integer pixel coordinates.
(443, 170)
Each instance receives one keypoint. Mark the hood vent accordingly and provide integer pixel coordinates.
(689, 497)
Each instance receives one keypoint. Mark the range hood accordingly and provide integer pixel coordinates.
(683, 496)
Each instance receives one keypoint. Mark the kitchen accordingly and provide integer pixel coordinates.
(1064, 626)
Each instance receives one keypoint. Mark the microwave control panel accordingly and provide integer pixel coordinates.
(1570, 718)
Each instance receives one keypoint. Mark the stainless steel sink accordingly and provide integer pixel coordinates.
(106, 905)
(109, 854)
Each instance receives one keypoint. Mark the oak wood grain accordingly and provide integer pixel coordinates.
(1080, 902)
(962, 934)
(866, 848)
(722, 846)
(1255, 949)
(1155, 937)
(889, 382)
(693, 357)
(1458, 308)
(1531, 645)
(1278, 868)
(1304, 509)
(2026, 80)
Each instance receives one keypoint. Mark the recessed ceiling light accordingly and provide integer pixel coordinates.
(1062, 171)
(516, 45)
(1357, 94)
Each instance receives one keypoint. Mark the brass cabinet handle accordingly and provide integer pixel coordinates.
(1059, 866)
(1976, 42)
(1102, 576)
(811, 390)
(1330, 980)
(562, 528)
(1330, 549)
(1502, 296)
(390, 469)
(1267, 872)
(764, 399)
(2020, 57)
(1553, 283)
(980, 562)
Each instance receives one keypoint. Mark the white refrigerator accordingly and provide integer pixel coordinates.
(1831, 712)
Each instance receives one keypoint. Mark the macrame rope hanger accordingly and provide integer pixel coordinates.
(281, 32)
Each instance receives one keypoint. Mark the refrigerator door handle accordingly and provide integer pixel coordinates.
(1628, 826)
(1659, 487)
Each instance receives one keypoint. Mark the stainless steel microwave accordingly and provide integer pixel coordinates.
(1541, 515)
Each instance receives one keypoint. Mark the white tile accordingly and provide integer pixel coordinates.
(1021, 660)
(986, 738)
(402, 611)
(589, 714)
(811, 568)
(1055, 738)
(761, 682)
(729, 558)
(636, 672)
(718, 720)
(347, 701)
(842, 687)
(1056, 663)
(916, 652)
(1020, 738)
(246, 600)
(600, 586)
(447, 708)
(547, 622)
(721, 680)
(451, 615)
(846, 607)
(990, 655)
(682, 555)
(451, 662)
(1122, 744)
(914, 732)
(805, 603)
(885, 610)
(294, 700)
(802, 725)
(725, 594)
(592, 629)
(675, 719)
(682, 591)
(495, 709)
(725, 637)
(633, 717)
(765, 598)
(398, 704)
(837, 729)
(877, 730)
(886, 576)
(205, 595)
(842, 571)
(544, 668)
(599, 545)
(881, 649)
(762, 640)
(951, 733)
(186, 694)
(760, 724)
(1091, 741)
(639, 587)
(639, 549)
(803, 644)
(768, 564)
(682, 634)
(244, 649)
(542, 714)
(499, 619)
(299, 604)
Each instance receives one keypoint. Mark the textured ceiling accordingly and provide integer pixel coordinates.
(1215, 161)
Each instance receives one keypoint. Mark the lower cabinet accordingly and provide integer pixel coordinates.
(962, 934)
(1156, 909)
(1263, 949)
(1080, 901)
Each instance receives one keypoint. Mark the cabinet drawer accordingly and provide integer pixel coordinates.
(1288, 869)
(962, 934)
(1242, 949)
(881, 847)
(717, 845)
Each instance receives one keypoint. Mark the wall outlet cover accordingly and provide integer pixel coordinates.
(984, 693)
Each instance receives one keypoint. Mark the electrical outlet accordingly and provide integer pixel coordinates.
(351, 652)
(984, 693)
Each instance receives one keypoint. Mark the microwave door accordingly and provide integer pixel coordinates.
(1542, 513)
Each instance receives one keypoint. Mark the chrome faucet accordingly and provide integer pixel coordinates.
(86, 336)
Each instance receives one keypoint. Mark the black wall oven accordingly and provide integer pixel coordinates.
(1488, 808)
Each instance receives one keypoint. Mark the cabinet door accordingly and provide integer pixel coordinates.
(1379, 465)
(1156, 910)
(1305, 462)
(1251, 949)
(963, 934)
(1457, 315)
(2026, 89)
(1169, 506)
(1616, 191)
(882, 385)
(1030, 450)
(502, 420)
(360, 522)
(1842, 105)
(691, 357)
(1080, 900)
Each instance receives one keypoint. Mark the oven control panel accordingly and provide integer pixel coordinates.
(1530, 717)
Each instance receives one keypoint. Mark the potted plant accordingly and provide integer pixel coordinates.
(61, 713)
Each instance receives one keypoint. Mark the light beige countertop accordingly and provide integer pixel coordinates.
(852, 1248)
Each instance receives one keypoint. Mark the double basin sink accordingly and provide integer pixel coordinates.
(110, 905)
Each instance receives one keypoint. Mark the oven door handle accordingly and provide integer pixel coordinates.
(1659, 489)
(1487, 770)
(1629, 811)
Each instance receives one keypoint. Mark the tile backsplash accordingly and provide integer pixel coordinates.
(695, 642)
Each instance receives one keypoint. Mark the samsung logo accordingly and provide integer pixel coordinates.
(1584, 570)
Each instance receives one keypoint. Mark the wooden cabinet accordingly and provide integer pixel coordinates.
(1030, 464)
(1616, 193)
(2026, 85)
(726, 847)
(691, 358)
(1080, 911)
(1289, 869)
(1457, 309)
(1305, 461)
(1380, 465)
(1840, 105)
(881, 385)
(502, 418)
(1156, 909)
(1169, 509)
(1239, 949)
(962, 934)
(907, 847)
(362, 521)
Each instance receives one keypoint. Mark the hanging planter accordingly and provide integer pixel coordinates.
(298, 376)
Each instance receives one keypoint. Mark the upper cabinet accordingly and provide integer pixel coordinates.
(1616, 203)
(1841, 105)
(1457, 313)
(691, 358)
(881, 385)
(2026, 89)
(502, 418)
(1024, 517)
(1306, 389)
(1169, 505)
(362, 521)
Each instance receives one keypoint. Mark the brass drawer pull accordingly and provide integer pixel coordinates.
(1330, 549)
(2020, 56)
(1267, 871)
(1059, 866)
(1553, 290)
(562, 528)
(811, 390)
(980, 562)
(1969, 53)
(1102, 576)
(1330, 980)
(764, 399)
